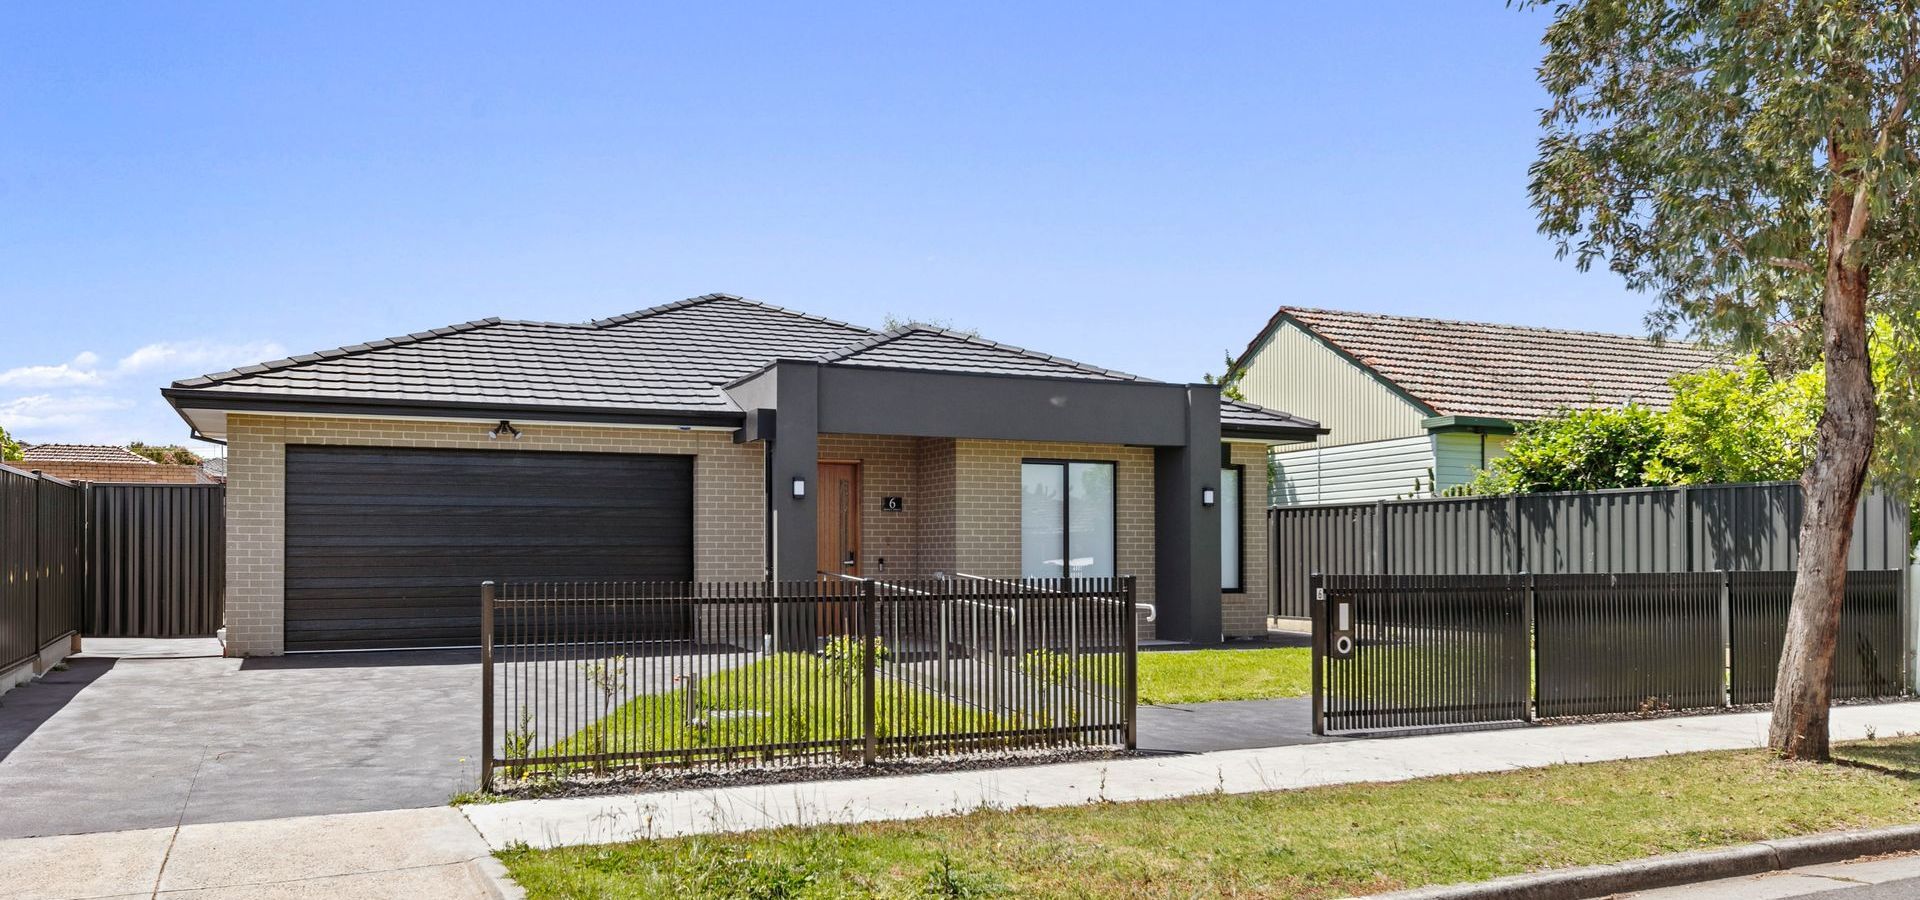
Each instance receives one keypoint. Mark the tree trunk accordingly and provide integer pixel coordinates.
(1831, 485)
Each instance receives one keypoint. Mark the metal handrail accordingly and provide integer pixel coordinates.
(1153, 612)
(877, 583)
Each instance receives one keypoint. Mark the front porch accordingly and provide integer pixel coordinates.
(927, 474)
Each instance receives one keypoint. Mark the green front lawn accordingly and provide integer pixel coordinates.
(787, 698)
(1198, 676)
(1324, 842)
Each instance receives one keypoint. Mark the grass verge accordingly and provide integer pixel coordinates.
(1200, 676)
(1324, 842)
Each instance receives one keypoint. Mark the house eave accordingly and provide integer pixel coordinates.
(186, 400)
(1472, 424)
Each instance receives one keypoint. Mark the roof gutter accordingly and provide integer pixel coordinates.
(184, 399)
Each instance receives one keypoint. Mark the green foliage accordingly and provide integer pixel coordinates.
(9, 448)
(1229, 382)
(167, 455)
(1738, 425)
(1896, 371)
(1701, 151)
(891, 322)
(846, 657)
(1579, 450)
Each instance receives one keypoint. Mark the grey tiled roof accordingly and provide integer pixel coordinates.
(667, 358)
(1507, 371)
(81, 453)
(941, 350)
(1243, 415)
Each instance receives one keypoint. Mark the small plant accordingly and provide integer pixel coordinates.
(609, 677)
(846, 657)
(1871, 733)
(517, 743)
(944, 881)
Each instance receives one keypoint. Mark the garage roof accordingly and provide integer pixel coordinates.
(668, 361)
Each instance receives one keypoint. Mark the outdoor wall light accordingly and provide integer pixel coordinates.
(505, 427)
(799, 488)
(1206, 496)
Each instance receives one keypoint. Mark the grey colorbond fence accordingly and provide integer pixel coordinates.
(1705, 528)
(1430, 651)
(156, 559)
(40, 564)
(582, 677)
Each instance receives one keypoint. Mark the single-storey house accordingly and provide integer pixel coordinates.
(103, 463)
(1416, 406)
(372, 488)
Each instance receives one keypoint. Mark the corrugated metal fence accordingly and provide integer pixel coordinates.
(156, 559)
(110, 560)
(1734, 527)
(40, 564)
(1428, 651)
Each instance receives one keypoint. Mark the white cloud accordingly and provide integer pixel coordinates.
(83, 400)
(197, 357)
(79, 372)
(22, 415)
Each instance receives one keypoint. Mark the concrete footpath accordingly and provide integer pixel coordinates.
(1886, 878)
(593, 820)
(398, 855)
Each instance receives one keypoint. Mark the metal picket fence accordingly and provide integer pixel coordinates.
(1400, 652)
(593, 677)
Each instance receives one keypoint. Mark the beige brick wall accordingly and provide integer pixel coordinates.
(1244, 614)
(728, 497)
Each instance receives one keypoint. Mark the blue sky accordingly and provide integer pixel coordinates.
(188, 187)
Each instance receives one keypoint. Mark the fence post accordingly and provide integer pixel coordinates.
(1380, 538)
(1529, 622)
(1317, 617)
(1519, 556)
(869, 626)
(486, 686)
(1726, 637)
(1130, 661)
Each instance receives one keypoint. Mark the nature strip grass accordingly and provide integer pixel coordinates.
(1322, 842)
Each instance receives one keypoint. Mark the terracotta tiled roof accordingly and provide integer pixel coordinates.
(1506, 371)
(81, 453)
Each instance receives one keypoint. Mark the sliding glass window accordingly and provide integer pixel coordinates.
(1066, 519)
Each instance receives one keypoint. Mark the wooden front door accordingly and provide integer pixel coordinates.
(838, 537)
(839, 524)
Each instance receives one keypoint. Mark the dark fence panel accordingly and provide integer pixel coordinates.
(1867, 654)
(40, 563)
(1442, 650)
(580, 677)
(1429, 651)
(1627, 643)
(1741, 527)
(157, 563)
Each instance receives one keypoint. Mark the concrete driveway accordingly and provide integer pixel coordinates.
(168, 733)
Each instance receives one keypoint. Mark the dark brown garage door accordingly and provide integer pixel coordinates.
(387, 547)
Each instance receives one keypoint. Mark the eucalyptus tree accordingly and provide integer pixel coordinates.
(1754, 165)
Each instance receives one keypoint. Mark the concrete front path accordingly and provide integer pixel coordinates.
(168, 733)
(591, 820)
(367, 856)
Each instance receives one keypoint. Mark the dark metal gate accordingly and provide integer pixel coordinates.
(1414, 651)
(1394, 652)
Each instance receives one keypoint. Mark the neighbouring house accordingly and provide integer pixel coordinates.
(372, 488)
(1414, 406)
(103, 463)
(215, 469)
